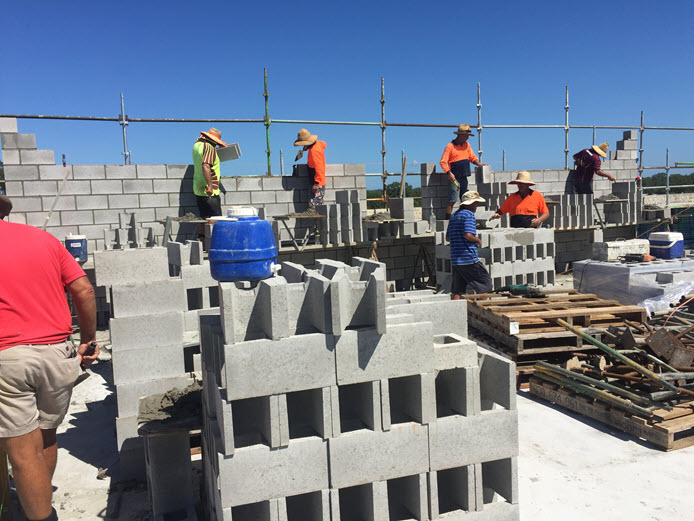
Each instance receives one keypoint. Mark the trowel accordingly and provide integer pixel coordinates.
(84, 374)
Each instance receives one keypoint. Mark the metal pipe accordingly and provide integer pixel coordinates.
(616, 354)
(503, 160)
(281, 162)
(597, 394)
(479, 122)
(667, 176)
(124, 123)
(593, 136)
(566, 130)
(383, 128)
(267, 125)
(545, 367)
(641, 128)
(318, 122)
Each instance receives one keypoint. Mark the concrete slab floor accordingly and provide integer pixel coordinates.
(570, 468)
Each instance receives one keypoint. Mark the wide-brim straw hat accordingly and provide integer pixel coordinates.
(601, 149)
(214, 135)
(464, 129)
(472, 197)
(522, 177)
(304, 137)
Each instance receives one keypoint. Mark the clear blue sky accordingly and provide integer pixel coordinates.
(325, 62)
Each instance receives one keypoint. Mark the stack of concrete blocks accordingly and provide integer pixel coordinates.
(186, 262)
(146, 338)
(631, 210)
(632, 283)
(570, 211)
(511, 255)
(129, 234)
(321, 403)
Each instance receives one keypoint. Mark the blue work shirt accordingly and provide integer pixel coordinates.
(462, 251)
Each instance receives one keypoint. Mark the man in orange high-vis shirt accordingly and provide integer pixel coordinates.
(455, 163)
(526, 207)
(315, 162)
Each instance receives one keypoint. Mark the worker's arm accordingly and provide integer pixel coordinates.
(444, 162)
(537, 221)
(604, 174)
(207, 172)
(82, 294)
(470, 237)
(477, 162)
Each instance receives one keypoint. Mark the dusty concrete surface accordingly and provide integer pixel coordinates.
(575, 469)
(570, 468)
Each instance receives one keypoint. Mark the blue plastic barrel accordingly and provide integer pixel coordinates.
(77, 246)
(242, 248)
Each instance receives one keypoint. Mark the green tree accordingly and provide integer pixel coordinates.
(393, 190)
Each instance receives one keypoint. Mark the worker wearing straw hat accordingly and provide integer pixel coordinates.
(526, 207)
(315, 162)
(466, 268)
(586, 164)
(455, 163)
(206, 175)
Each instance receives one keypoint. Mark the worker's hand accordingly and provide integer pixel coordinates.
(611, 178)
(451, 177)
(496, 215)
(87, 360)
(299, 154)
(535, 222)
(315, 186)
(208, 190)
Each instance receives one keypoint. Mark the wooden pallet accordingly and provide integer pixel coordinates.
(528, 325)
(676, 431)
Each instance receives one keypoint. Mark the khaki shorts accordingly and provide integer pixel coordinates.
(35, 386)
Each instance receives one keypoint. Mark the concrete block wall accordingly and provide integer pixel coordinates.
(344, 420)
(94, 195)
(549, 182)
(511, 255)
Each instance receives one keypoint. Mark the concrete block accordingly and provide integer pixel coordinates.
(136, 299)
(497, 380)
(128, 395)
(483, 174)
(8, 125)
(91, 202)
(300, 468)
(237, 198)
(128, 266)
(170, 186)
(365, 355)
(151, 171)
(344, 182)
(37, 157)
(147, 331)
(456, 441)
(26, 204)
(500, 477)
(434, 311)
(85, 217)
(139, 363)
(40, 188)
(452, 351)
(631, 134)
(121, 172)
(154, 201)
(14, 188)
(260, 197)
(89, 171)
(76, 187)
(613, 251)
(55, 172)
(457, 391)
(250, 184)
(10, 157)
(409, 398)
(137, 186)
(287, 365)
(123, 201)
(65, 202)
(107, 187)
(364, 456)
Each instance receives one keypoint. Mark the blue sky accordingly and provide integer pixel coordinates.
(175, 59)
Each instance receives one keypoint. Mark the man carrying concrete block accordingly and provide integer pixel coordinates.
(315, 163)
(586, 164)
(465, 264)
(455, 163)
(206, 176)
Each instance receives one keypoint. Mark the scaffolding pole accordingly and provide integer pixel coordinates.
(479, 122)
(123, 120)
(566, 130)
(267, 126)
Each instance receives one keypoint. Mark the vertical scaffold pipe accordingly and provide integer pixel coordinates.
(641, 129)
(267, 125)
(566, 130)
(479, 122)
(383, 128)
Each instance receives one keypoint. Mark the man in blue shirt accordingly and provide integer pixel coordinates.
(465, 264)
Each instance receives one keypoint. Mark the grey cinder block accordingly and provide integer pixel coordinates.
(37, 157)
(123, 267)
(139, 364)
(163, 329)
(121, 172)
(8, 125)
(135, 299)
(151, 171)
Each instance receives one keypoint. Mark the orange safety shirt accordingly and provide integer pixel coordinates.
(316, 160)
(453, 153)
(531, 204)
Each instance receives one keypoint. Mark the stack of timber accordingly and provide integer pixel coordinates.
(525, 328)
(644, 386)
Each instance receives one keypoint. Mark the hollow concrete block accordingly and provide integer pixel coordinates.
(136, 299)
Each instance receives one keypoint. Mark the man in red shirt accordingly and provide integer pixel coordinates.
(38, 361)
(455, 163)
(526, 207)
(315, 162)
(586, 165)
